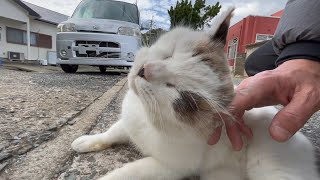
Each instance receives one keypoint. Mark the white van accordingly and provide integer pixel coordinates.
(103, 33)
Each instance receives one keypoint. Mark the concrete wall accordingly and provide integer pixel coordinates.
(251, 49)
(35, 26)
(234, 32)
(4, 46)
(240, 65)
(242, 57)
(247, 29)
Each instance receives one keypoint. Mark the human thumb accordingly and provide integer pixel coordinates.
(292, 117)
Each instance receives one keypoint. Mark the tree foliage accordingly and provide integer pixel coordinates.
(151, 36)
(197, 15)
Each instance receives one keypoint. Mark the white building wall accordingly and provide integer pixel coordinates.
(13, 11)
(43, 28)
(9, 12)
(36, 26)
(4, 46)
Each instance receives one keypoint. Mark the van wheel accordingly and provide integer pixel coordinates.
(69, 68)
(103, 69)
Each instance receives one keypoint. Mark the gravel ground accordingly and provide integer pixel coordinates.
(96, 164)
(34, 106)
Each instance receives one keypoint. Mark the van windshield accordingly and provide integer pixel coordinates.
(107, 9)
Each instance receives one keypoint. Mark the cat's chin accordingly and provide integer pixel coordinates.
(140, 82)
(139, 85)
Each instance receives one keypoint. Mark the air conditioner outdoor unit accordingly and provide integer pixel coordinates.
(15, 56)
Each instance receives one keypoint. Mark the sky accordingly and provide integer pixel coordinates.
(157, 9)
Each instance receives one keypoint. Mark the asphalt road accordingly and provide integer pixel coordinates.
(35, 106)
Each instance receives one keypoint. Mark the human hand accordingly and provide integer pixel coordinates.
(295, 84)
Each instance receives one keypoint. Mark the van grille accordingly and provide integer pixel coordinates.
(90, 49)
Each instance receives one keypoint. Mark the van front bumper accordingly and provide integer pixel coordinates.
(77, 47)
(96, 62)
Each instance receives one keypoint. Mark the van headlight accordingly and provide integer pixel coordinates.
(68, 27)
(128, 31)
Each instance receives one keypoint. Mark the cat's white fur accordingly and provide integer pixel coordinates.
(174, 149)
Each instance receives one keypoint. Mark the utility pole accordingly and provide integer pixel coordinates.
(150, 31)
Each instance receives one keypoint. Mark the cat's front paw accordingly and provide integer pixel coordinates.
(88, 143)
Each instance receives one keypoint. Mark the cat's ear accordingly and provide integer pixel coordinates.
(220, 26)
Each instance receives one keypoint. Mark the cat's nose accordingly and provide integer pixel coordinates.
(141, 72)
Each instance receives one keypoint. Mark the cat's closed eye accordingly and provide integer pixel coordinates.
(167, 57)
(170, 85)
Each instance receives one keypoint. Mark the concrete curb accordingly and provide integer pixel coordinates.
(18, 68)
(46, 160)
(26, 68)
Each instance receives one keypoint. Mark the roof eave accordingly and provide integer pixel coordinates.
(30, 11)
(256, 44)
(49, 22)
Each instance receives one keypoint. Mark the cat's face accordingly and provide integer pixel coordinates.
(184, 77)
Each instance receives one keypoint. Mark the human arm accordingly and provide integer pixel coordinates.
(294, 83)
(298, 32)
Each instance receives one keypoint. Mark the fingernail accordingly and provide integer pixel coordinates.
(280, 134)
(237, 145)
(244, 91)
(237, 148)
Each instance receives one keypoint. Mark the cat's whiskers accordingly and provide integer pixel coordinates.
(202, 128)
(195, 102)
(223, 110)
(154, 110)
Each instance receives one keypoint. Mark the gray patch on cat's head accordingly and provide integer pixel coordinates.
(194, 110)
(189, 104)
(211, 51)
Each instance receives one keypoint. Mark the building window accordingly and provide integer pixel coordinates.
(263, 37)
(232, 48)
(14, 36)
(44, 41)
(18, 36)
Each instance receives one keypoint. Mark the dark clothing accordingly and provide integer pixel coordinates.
(297, 37)
(262, 59)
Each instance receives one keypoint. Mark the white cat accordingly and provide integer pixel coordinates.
(175, 88)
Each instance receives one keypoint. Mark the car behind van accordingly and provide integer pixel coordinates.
(103, 33)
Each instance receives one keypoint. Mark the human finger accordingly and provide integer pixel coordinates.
(234, 135)
(215, 136)
(292, 117)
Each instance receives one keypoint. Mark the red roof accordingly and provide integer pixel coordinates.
(278, 14)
